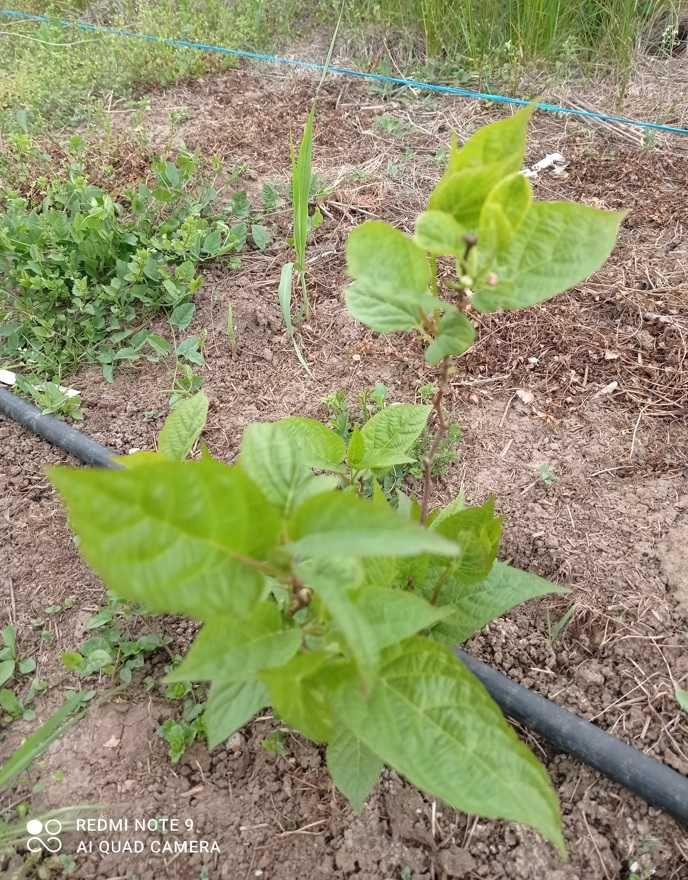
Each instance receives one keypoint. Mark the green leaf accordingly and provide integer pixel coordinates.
(391, 277)
(182, 315)
(390, 434)
(353, 767)
(503, 141)
(333, 581)
(261, 236)
(476, 531)
(235, 649)
(189, 349)
(279, 456)
(477, 604)
(440, 234)
(455, 335)
(380, 571)
(558, 245)
(431, 720)
(502, 214)
(230, 705)
(9, 638)
(172, 536)
(158, 344)
(6, 671)
(681, 698)
(138, 459)
(340, 524)
(356, 449)
(320, 446)
(183, 427)
(40, 739)
(27, 666)
(301, 175)
(9, 703)
(463, 193)
(298, 697)
(394, 615)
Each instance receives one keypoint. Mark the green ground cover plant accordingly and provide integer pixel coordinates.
(334, 607)
(82, 269)
(52, 76)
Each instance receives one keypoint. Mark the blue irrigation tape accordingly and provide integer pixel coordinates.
(343, 71)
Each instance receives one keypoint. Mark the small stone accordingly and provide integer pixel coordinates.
(456, 862)
(236, 742)
(589, 675)
(112, 743)
(525, 396)
(266, 354)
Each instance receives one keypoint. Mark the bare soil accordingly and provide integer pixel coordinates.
(607, 398)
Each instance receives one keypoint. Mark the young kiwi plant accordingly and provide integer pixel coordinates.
(330, 605)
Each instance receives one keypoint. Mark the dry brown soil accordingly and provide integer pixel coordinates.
(605, 369)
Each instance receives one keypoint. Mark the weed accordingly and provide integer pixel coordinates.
(301, 181)
(191, 349)
(275, 743)
(51, 398)
(338, 414)
(81, 268)
(14, 672)
(392, 125)
(333, 608)
(180, 733)
(555, 628)
(474, 38)
(231, 329)
(393, 479)
(546, 474)
(62, 76)
(284, 292)
(111, 652)
(186, 384)
(269, 197)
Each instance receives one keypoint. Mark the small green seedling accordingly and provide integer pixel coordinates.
(51, 398)
(110, 651)
(187, 383)
(230, 328)
(13, 670)
(392, 125)
(546, 474)
(180, 733)
(301, 177)
(339, 610)
(275, 743)
(556, 628)
(269, 197)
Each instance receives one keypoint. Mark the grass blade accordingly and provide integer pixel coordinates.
(35, 744)
(301, 173)
(284, 295)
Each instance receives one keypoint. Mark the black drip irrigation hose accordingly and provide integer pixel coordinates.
(646, 777)
(55, 431)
